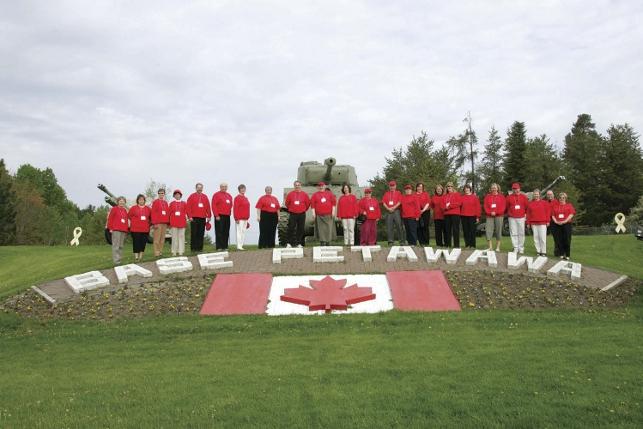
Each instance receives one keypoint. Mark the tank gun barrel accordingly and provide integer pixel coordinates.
(330, 163)
(110, 198)
(552, 184)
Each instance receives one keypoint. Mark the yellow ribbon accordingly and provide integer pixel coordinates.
(78, 231)
(619, 218)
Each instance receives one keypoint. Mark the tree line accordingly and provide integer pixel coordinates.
(604, 172)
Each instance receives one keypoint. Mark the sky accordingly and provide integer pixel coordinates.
(126, 92)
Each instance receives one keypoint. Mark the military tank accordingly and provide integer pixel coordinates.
(310, 173)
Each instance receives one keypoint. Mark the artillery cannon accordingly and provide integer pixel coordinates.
(110, 198)
(309, 174)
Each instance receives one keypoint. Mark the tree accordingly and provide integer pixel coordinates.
(491, 169)
(583, 155)
(462, 151)
(7, 207)
(418, 162)
(623, 170)
(515, 146)
(542, 163)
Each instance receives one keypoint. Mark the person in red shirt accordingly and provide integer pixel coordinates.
(160, 221)
(347, 211)
(494, 210)
(139, 217)
(411, 209)
(322, 204)
(241, 207)
(538, 216)
(221, 210)
(562, 216)
(267, 217)
(424, 224)
(516, 203)
(369, 208)
(198, 211)
(178, 222)
(469, 216)
(118, 225)
(391, 202)
(297, 203)
(451, 208)
(438, 215)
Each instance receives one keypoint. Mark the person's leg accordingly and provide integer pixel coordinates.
(466, 230)
(498, 224)
(273, 220)
(440, 237)
(448, 227)
(117, 246)
(567, 243)
(351, 232)
(181, 248)
(174, 246)
(226, 231)
(345, 228)
(372, 233)
(156, 236)
(301, 231)
(513, 231)
(389, 228)
(421, 232)
(521, 234)
(456, 231)
(241, 233)
(217, 233)
(489, 230)
(193, 233)
(399, 227)
(412, 238)
(198, 231)
(292, 229)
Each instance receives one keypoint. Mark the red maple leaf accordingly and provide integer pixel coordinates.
(327, 294)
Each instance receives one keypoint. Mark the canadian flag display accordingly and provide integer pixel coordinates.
(262, 293)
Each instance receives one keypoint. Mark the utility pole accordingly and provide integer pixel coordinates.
(473, 171)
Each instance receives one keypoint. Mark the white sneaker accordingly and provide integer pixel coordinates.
(522, 251)
(240, 248)
(288, 246)
(299, 246)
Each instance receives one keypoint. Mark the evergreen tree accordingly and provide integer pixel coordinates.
(7, 207)
(492, 162)
(623, 170)
(542, 163)
(515, 162)
(461, 149)
(584, 155)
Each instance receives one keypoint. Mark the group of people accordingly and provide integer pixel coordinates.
(407, 217)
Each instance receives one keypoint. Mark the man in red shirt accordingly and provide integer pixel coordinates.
(391, 201)
(198, 211)
(516, 203)
(323, 207)
(410, 207)
(221, 209)
(297, 203)
(538, 217)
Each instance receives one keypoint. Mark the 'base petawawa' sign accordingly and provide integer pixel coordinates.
(329, 254)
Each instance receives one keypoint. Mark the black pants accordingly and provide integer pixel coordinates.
(267, 229)
(562, 239)
(469, 230)
(139, 240)
(440, 232)
(424, 227)
(296, 222)
(197, 231)
(411, 227)
(452, 231)
(222, 232)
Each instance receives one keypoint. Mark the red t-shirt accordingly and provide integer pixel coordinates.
(538, 212)
(451, 203)
(323, 202)
(494, 204)
(178, 213)
(437, 204)
(517, 205)
(423, 199)
(241, 208)
(117, 219)
(297, 202)
(160, 212)
(268, 203)
(470, 205)
(410, 206)
(370, 207)
(560, 212)
(221, 204)
(198, 205)
(391, 198)
(347, 207)
(139, 217)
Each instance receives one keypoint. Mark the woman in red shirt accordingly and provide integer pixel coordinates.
(451, 207)
(410, 214)
(538, 216)
(241, 211)
(267, 217)
(494, 210)
(160, 221)
(370, 209)
(425, 214)
(469, 216)
(562, 216)
(438, 215)
(347, 211)
(139, 217)
(118, 226)
(178, 221)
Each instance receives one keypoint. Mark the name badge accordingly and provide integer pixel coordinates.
(493, 206)
(390, 203)
(371, 208)
(296, 203)
(143, 218)
(163, 212)
(448, 204)
(227, 201)
(177, 213)
(561, 216)
(122, 220)
(272, 205)
(323, 200)
(517, 207)
(201, 205)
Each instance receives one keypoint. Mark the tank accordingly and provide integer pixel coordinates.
(310, 173)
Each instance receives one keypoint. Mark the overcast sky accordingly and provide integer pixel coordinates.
(239, 91)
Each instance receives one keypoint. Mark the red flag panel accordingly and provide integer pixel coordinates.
(238, 294)
(421, 291)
